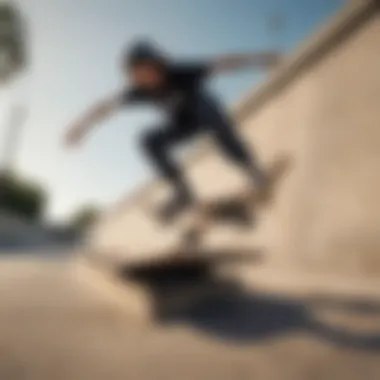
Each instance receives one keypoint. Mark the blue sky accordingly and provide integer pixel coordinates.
(75, 47)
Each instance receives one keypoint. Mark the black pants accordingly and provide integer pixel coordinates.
(210, 119)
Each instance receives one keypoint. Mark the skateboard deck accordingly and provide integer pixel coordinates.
(238, 209)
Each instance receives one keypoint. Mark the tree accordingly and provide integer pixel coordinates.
(21, 197)
(17, 196)
(12, 42)
(13, 62)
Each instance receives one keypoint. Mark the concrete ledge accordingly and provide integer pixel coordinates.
(346, 22)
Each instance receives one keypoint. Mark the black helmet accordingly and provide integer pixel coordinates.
(143, 51)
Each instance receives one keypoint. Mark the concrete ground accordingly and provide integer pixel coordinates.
(60, 319)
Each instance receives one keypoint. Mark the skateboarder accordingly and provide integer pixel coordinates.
(178, 89)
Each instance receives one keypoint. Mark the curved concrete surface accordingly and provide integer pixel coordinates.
(64, 320)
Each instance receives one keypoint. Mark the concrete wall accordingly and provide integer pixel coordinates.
(337, 222)
(327, 213)
(321, 109)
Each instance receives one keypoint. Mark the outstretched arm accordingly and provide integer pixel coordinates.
(242, 61)
(97, 113)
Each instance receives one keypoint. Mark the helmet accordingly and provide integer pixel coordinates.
(143, 51)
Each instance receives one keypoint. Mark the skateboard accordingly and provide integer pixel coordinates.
(238, 209)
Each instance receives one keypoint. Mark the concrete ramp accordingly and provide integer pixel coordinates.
(321, 110)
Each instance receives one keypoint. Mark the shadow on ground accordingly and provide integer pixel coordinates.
(246, 318)
(188, 292)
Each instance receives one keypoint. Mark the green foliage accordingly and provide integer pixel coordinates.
(12, 41)
(21, 197)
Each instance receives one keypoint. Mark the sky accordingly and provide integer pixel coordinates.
(75, 48)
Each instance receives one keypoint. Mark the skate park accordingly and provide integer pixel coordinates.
(293, 296)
